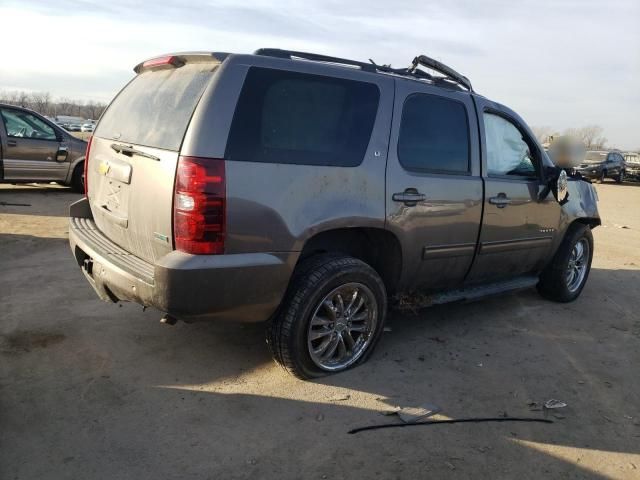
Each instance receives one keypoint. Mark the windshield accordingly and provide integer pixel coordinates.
(155, 108)
(596, 156)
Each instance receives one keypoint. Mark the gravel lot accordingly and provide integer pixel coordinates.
(93, 390)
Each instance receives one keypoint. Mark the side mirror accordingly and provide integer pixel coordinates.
(558, 183)
(562, 188)
(62, 154)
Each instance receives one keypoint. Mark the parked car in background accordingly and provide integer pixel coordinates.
(74, 127)
(632, 169)
(87, 127)
(34, 149)
(600, 165)
(307, 191)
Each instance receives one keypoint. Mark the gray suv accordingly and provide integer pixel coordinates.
(310, 192)
(33, 149)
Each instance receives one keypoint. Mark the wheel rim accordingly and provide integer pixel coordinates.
(342, 326)
(577, 267)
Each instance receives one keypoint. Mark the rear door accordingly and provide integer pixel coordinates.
(134, 154)
(517, 227)
(31, 148)
(434, 189)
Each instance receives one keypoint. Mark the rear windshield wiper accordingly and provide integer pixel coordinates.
(130, 151)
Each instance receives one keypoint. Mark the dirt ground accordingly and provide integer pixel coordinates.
(94, 390)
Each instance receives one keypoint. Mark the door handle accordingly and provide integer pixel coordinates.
(409, 197)
(11, 143)
(500, 201)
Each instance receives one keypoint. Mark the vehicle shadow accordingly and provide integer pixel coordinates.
(117, 394)
(27, 199)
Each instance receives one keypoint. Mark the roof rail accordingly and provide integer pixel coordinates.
(451, 78)
(292, 54)
(447, 71)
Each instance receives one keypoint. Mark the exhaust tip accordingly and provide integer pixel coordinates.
(168, 319)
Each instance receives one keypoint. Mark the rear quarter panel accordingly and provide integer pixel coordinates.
(277, 207)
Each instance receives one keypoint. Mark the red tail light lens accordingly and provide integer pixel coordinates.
(86, 166)
(199, 206)
(170, 60)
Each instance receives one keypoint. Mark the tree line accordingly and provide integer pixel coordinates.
(45, 104)
(592, 136)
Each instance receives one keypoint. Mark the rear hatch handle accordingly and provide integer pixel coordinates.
(130, 151)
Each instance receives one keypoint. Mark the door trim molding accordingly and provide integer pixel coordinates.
(448, 251)
(499, 246)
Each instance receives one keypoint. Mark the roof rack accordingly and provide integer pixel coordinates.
(451, 77)
(448, 72)
(292, 54)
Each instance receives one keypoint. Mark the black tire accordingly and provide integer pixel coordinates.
(620, 177)
(312, 281)
(77, 179)
(553, 281)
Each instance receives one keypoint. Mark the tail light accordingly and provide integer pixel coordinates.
(199, 206)
(86, 166)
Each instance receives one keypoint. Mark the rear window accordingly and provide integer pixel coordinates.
(289, 117)
(154, 109)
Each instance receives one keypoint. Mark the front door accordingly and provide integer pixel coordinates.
(518, 227)
(31, 148)
(433, 184)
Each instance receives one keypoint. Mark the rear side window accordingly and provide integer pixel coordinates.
(434, 135)
(289, 117)
(154, 109)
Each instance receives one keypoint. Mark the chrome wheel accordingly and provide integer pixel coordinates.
(578, 263)
(342, 326)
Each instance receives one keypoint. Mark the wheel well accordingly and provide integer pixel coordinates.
(591, 222)
(377, 247)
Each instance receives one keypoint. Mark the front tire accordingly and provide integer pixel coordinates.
(565, 277)
(602, 177)
(331, 318)
(620, 177)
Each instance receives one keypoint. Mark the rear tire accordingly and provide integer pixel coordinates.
(565, 277)
(77, 179)
(620, 177)
(333, 301)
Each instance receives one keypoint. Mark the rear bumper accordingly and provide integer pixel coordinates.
(240, 287)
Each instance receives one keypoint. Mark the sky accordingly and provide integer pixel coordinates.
(562, 63)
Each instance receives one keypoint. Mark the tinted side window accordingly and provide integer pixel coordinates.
(434, 135)
(24, 125)
(507, 151)
(289, 117)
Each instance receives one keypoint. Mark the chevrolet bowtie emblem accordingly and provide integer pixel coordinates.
(104, 168)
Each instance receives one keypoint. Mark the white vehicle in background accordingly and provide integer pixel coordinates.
(632, 161)
(87, 127)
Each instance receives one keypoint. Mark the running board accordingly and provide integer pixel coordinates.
(467, 294)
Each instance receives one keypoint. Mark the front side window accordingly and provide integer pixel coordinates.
(434, 135)
(290, 117)
(25, 125)
(507, 151)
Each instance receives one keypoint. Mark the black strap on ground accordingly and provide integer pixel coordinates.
(457, 420)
